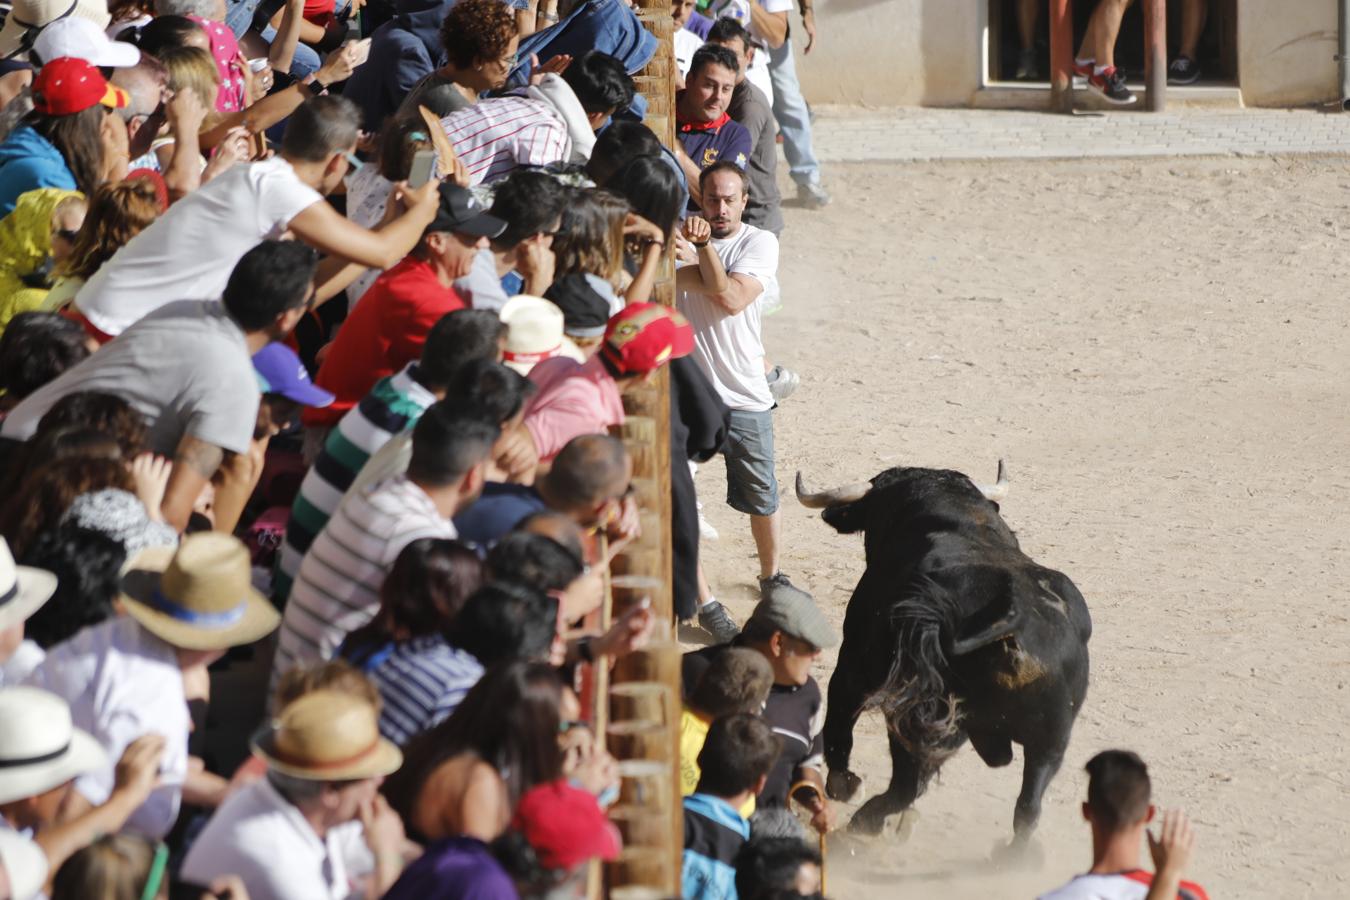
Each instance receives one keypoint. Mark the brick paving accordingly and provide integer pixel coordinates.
(851, 134)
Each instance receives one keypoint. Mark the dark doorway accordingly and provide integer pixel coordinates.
(1013, 22)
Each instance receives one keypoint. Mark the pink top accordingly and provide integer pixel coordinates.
(574, 399)
(225, 51)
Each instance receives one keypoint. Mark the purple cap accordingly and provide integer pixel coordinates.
(281, 372)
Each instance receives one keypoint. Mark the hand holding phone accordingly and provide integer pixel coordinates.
(420, 173)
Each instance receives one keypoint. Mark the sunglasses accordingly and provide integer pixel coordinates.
(67, 233)
(352, 161)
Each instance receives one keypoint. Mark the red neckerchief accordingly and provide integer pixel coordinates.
(686, 127)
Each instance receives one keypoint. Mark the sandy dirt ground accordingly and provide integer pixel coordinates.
(1159, 351)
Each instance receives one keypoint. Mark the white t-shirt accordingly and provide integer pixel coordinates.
(730, 348)
(686, 44)
(26, 657)
(122, 682)
(189, 252)
(261, 837)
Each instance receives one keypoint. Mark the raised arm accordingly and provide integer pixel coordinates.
(194, 463)
(320, 226)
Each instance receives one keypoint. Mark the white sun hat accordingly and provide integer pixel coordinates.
(39, 747)
(23, 590)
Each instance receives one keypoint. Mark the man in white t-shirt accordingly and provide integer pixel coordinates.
(187, 253)
(722, 296)
(1119, 811)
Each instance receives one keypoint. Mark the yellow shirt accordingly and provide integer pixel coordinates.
(693, 732)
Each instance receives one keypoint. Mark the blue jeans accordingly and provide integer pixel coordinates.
(794, 119)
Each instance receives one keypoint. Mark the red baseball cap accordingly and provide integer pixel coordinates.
(645, 336)
(68, 85)
(565, 826)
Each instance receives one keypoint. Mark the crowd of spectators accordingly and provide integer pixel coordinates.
(317, 318)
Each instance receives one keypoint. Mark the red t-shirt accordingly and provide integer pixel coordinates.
(383, 334)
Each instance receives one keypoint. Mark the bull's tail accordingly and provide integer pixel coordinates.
(920, 708)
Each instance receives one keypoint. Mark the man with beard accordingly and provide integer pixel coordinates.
(708, 135)
(337, 589)
(722, 296)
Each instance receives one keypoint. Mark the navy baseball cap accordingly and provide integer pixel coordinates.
(281, 372)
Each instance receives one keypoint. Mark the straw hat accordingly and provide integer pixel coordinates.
(327, 736)
(199, 597)
(25, 865)
(534, 331)
(23, 590)
(39, 747)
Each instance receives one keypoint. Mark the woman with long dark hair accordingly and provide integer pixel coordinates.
(72, 139)
(466, 775)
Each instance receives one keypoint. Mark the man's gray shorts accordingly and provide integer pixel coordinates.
(751, 485)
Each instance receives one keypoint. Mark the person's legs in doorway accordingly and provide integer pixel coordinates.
(1184, 69)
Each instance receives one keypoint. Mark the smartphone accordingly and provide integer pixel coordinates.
(420, 173)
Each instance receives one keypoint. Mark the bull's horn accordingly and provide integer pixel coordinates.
(999, 489)
(846, 494)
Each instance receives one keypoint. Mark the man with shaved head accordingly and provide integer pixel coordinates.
(587, 484)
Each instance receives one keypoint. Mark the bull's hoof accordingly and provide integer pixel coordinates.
(842, 786)
(871, 817)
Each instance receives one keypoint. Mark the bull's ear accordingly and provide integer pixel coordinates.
(999, 630)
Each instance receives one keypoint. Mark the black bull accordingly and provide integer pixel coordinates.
(952, 633)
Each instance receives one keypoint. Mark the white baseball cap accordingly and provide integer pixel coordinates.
(24, 863)
(84, 40)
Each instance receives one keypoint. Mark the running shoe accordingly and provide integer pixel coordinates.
(1081, 73)
(714, 619)
(1027, 70)
(1183, 71)
(1110, 86)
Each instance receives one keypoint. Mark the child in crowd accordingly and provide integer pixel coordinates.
(735, 762)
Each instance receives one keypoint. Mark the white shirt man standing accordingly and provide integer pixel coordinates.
(721, 295)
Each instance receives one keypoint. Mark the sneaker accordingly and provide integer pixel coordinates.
(1027, 70)
(777, 578)
(1081, 73)
(782, 382)
(1183, 71)
(1110, 86)
(714, 619)
(812, 196)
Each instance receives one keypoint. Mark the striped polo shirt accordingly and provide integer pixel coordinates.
(337, 589)
(713, 834)
(421, 681)
(499, 134)
(393, 405)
